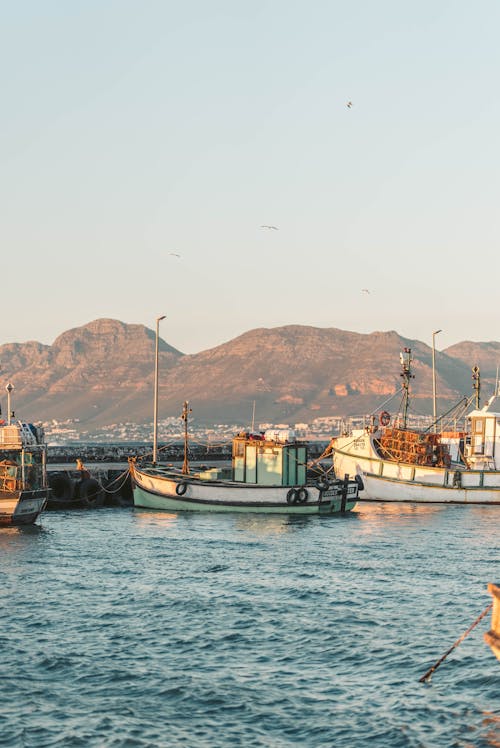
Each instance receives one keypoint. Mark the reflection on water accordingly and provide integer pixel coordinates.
(15, 536)
(376, 514)
(152, 518)
(271, 524)
(492, 735)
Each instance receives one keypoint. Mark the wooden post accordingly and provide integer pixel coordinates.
(492, 637)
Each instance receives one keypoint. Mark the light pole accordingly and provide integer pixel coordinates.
(434, 377)
(155, 417)
(9, 389)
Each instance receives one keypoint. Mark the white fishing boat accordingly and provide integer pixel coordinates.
(268, 474)
(23, 471)
(397, 463)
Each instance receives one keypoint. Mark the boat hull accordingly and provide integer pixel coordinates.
(385, 480)
(22, 508)
(379, 488)
(155, 491)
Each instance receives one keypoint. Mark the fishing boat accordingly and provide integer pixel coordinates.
(23, 473)
(268, 474)
(398, 463)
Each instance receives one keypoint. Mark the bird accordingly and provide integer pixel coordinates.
(349, 104)
(364, 290)
(266, 226)
(174, 254)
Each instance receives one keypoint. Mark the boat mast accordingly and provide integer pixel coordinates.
(406, 361)
(185, 414)
(476, 384)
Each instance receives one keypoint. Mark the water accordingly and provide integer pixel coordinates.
(125, 627)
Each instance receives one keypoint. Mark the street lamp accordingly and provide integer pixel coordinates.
(9, 389)
(434, 377)
(155, 418)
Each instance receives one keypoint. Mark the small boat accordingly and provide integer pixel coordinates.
(268, 474)
(397, 463)
(492, 637)
(23, 472)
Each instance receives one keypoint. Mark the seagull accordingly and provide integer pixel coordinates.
(174, 254)
(364, 290)
(266, 226)
(349, 104)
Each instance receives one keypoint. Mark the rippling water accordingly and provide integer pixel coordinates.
(125, 627)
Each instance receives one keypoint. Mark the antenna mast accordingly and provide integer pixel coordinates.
(186, 410)
(406, 361)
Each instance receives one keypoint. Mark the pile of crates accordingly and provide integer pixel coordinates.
(414, 447)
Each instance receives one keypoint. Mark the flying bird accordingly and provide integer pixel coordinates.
(349, 104)
(266, 226)
(364, 290)
(174, 254)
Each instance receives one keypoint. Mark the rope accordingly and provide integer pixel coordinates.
(428, 674)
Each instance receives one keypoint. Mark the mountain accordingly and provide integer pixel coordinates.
(103, 373)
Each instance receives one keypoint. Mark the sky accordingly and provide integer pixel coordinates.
(135, 131)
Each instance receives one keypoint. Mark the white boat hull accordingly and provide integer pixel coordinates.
(392, 481)
(21, 508)
(379, 488)
(154, 490)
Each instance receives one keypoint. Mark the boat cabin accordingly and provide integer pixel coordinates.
(22, 457)
(271, 458)
(483, 449)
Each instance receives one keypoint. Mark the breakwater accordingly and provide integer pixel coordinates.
(120, 452)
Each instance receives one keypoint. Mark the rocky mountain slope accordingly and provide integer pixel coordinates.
(103, 373)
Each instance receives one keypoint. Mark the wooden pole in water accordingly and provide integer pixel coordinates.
(458, 641)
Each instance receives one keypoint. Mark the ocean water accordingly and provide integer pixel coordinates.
(126, 627)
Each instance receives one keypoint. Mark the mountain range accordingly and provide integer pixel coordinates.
(103, 373)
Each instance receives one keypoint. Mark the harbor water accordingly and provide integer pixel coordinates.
(126, 627)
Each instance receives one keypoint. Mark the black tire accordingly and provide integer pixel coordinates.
(62, 486)
(291, 496)
(181, 488)
(90, 492)
(322, 484)
(302, 495)
(359, 481)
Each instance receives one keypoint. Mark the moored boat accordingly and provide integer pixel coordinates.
(268, 474)
(397, 463)
(23, 472)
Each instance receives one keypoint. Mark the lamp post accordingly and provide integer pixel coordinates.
(155, 417)
(9, 389)
(434, 377)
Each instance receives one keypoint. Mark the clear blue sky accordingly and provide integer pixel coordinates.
(131, 130)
